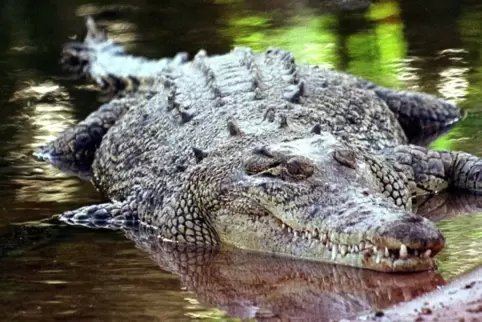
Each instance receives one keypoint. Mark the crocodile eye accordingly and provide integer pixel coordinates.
(299, 168)
(261, 161)
(347, 157)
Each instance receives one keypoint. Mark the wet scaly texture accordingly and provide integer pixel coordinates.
(258, 152)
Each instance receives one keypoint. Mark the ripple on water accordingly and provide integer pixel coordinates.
(463, 250)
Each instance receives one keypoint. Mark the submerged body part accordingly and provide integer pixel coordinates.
(249, 285)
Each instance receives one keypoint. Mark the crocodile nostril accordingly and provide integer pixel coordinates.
(260, 163)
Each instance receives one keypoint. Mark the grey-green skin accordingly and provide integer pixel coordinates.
(255, 151)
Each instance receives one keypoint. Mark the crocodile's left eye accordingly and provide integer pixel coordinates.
(261, 161)
(299, 167)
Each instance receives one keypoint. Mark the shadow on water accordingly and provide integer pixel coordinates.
(51, 271)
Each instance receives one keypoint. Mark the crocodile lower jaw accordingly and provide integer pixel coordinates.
(363, 254)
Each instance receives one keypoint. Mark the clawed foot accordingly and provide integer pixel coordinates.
(108, 215)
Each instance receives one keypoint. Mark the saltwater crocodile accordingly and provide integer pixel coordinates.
(255, 151)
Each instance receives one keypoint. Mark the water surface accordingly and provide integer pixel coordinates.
(78, 274)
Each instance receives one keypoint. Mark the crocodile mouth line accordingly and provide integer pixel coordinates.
(365, 248)
(375, 254)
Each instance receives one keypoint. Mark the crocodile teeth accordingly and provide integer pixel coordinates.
(403, 252)
(315, 234)
(362, 246)
(355, 249)
(333, 236)
(283, 225)
(427, 253)
(343, 250)
(334, 252)
(379, 257)
(387, 253)
(324, 239)
(308, 235)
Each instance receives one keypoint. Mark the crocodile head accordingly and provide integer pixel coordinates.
(319, 199)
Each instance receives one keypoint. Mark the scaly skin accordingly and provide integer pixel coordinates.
(255, 151)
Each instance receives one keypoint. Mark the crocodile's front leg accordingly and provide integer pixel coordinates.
(106, 62)
(76, 146)
(430, 171)
(111, 215)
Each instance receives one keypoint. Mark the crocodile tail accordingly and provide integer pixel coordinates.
(107, 63)
(423, 117)
(77, 57)
(94, 33)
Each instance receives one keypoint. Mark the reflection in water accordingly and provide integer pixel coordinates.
(307, 35)
(48, 114)
(453, 84)
(459, 217)
(99, 275)
(378, 50)
(103, 279)
(123, 32)
(248, 285)
(42, 110)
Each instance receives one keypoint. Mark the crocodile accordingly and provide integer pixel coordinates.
(255, 151)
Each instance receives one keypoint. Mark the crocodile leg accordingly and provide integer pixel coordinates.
(423, 117)
(75, 148)
(430, 171)
(182, 221)
(113, 215)
(106, 62)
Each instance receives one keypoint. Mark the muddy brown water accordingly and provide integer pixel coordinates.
(64, 273)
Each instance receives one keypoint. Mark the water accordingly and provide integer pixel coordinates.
(78, 274)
